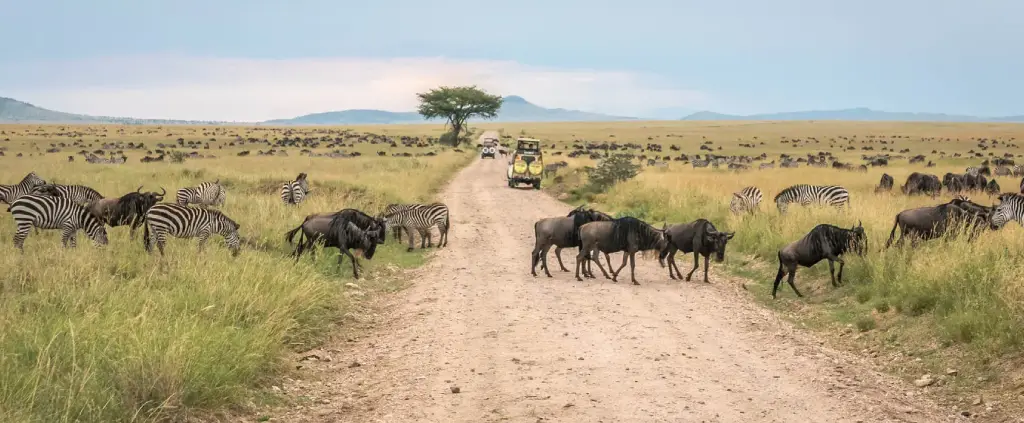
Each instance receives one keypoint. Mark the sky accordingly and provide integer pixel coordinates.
(255, 60)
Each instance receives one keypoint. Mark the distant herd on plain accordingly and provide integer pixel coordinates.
(36, 204)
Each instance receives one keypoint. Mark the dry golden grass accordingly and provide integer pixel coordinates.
(113, 334)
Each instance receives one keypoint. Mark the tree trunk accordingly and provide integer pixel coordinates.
(456, 130)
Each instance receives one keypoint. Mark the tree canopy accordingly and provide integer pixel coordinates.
(456, 104)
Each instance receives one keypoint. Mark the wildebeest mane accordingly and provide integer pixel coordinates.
(623, 227)
(363, 221)
(840, 239)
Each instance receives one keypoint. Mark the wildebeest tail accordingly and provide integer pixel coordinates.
(892, 234)
(291, 234)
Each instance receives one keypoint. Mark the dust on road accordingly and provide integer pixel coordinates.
(525, 349)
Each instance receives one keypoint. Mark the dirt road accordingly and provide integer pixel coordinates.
(525, 349)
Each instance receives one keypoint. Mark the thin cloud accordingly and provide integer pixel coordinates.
(260, 89)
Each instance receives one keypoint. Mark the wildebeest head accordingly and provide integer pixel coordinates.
(859, 239)
(718, 241)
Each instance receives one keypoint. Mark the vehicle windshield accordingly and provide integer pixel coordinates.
(531, 147)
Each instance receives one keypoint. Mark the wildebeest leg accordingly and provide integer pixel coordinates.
(558, 255)
(792, 275)
(672, 263)
(580, 257)
(615, 276)
(696, 264)
(706, 258)
(778, 279)
(341, 259)
(608, 259)
(597, 260)
(832, 258)
(832, 271)
(632, 267)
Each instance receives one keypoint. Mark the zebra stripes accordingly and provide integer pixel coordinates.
(422, 218)
(10, 193)
(295, 191)
(397, 230)
(188, 222)
(1010, 207)
(979, 170)
(45, 212)
(79, 194)
(805, 195)
(205, 194)
(747, 199)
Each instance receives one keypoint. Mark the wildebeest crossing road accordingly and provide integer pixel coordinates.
(526, 349)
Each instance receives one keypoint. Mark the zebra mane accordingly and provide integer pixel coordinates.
(788, 190)
(220, 215)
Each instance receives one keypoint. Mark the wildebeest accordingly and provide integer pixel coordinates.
(127, 209)
(342, 234)
(992, 188)
(924, 223)
(699, 237)
(824, 241)
(886, 183)
(626, 234)
(316, 226)
(922, 183)
(560, 232)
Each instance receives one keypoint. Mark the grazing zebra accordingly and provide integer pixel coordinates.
(747, 199)
(295, 191)
(397, 230)
(9, 193)
(1018, 170)
(205, 194)
(700, 163)
(188, 222)
(80, 194)
(46, 212)
(421, 219)
(805, 195)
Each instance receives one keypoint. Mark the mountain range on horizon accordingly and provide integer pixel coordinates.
(514, 109)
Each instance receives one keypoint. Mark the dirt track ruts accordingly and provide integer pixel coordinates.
(525, 349)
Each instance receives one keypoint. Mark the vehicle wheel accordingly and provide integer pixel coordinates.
(536, 185)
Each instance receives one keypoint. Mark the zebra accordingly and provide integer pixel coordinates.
(188, 222)
(700, 163)
(80, 194)
(295, 191)
(747, 199)
(1018, 170)
(10, 193)
(397, 230)
(979, 170)
(205, 194)
(804, 195)
(1010, 207)
(422, 219)
(47, 212)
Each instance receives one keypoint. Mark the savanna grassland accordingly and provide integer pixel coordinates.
(113, 334)
(945, 304)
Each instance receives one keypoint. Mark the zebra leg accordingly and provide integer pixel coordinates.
(19, 237)
(161, 239)
(408, 231)
(203, 236)
(397, 230)
(68, 236)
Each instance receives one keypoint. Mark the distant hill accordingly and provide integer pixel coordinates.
(857, 114)
(14, 111)
(513, 109)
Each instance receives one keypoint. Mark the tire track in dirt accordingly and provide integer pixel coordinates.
(527, 349)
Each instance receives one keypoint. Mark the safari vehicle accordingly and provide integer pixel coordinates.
(527, 165)
(489, 149)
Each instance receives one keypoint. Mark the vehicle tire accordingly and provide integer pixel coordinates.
(536, 185)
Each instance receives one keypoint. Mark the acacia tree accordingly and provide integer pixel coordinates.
(456, 104)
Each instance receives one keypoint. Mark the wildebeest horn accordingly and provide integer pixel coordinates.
(163, 192)
(138, 189)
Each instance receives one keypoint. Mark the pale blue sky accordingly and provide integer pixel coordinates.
(254, 59)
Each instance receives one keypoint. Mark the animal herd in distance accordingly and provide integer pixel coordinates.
(592, 231)
(37, 204)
